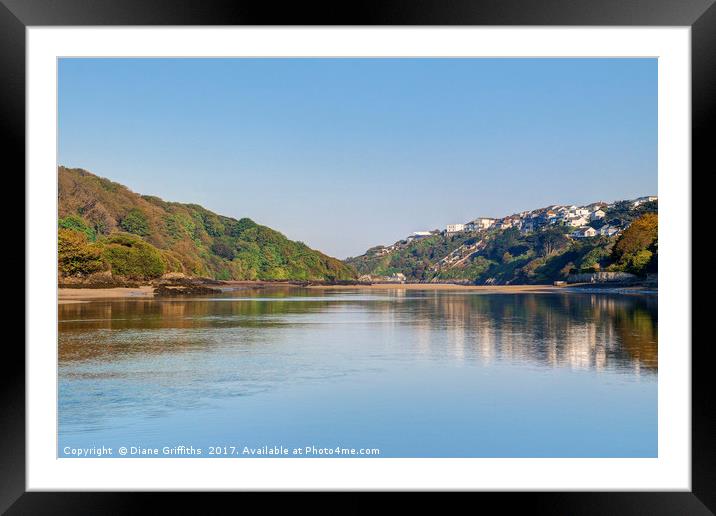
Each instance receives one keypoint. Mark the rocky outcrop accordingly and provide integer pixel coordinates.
(177, 284)
(103, 279)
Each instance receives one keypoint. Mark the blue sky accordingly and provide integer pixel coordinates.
(344, 154)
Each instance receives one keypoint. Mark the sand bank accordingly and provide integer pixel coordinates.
(77, 295)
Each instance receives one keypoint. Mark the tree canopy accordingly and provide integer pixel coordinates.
(144, 236)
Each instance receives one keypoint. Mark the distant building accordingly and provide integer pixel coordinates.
(483, 222)
(455, 228)
(584, 232)
(598, 214)
(577, 222)
(642, 200)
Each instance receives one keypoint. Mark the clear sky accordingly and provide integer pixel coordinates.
(345, 154)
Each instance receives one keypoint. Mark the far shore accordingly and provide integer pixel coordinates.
(81, 295)
(497, 289)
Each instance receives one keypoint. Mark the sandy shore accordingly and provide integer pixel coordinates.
(79, 295)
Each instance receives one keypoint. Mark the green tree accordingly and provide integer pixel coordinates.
(78, 224)
(639, 261)
(132, 257)
(592, 260)
(135, 222)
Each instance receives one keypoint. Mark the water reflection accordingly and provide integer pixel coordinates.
(550, 375)
(581, 331)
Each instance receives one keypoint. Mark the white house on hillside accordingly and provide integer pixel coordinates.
(584, 232)
(578, 222)
(642, 200)
(455, 228)
(598, 214)
(483, 222)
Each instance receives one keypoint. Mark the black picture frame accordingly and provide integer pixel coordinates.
(700, 15)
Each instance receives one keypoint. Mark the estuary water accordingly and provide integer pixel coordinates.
(380, 373)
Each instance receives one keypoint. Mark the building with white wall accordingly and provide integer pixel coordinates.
(584, 232)
(483, 222)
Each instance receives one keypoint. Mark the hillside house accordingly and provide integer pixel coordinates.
(577, 222)
(584, 232)
(482, 223)
(455, 228)
(598, 214)
(642, 200)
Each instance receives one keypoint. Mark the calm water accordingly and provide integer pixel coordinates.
(413, 374)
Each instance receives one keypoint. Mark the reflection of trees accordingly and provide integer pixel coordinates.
(118, 328)
(582, 331)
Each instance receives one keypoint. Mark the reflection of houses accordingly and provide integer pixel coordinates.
(579, 333)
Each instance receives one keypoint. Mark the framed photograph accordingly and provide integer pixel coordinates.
(418, 249)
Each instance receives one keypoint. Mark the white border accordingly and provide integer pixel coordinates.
(671, 471)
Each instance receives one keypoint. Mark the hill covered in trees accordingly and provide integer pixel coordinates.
(106, 228)
(526, 252)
